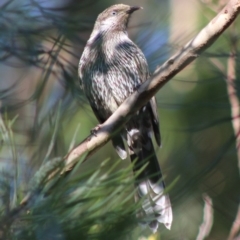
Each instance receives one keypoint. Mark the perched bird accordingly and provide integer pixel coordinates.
(111, 68)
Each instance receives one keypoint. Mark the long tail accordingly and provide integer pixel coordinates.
(156, 205)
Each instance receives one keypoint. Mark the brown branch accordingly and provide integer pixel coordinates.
(235, 227)
(161, 76)
(235, 112)
(207, 223)
(232, 94)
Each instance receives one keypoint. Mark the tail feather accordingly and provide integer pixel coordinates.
(149, 184)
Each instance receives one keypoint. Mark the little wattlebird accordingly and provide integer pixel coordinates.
(111, 68)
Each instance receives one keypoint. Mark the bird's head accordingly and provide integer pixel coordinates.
(115, 18)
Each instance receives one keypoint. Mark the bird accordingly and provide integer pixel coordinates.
(110, 69)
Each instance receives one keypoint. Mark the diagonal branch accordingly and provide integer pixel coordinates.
(161, 76)
(235, 112)
(207, 223)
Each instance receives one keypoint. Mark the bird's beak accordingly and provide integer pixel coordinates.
(133, 9)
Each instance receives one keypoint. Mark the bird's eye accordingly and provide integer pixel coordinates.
(114, 13)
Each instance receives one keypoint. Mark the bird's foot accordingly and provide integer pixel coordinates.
(94, 130)
(137, 87)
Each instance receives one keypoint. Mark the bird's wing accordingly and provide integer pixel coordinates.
(117, 140)
(127, 70)
(152, 106)
(97, 113)
(134, 72)
(143, 72)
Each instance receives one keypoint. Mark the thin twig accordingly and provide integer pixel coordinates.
(235, 227)
(207, 223)
(235, 112)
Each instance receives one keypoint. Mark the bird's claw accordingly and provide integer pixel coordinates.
(94, 130)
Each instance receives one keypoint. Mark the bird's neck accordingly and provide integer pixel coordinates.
(104, 38)
(106, 43)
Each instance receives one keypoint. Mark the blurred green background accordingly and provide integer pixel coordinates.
(40, 45)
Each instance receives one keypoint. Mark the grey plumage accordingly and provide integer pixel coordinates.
(111, 68)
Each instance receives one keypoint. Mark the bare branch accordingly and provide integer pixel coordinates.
(235, 227)
(207, 223)
(161, 76)
(235, 112)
